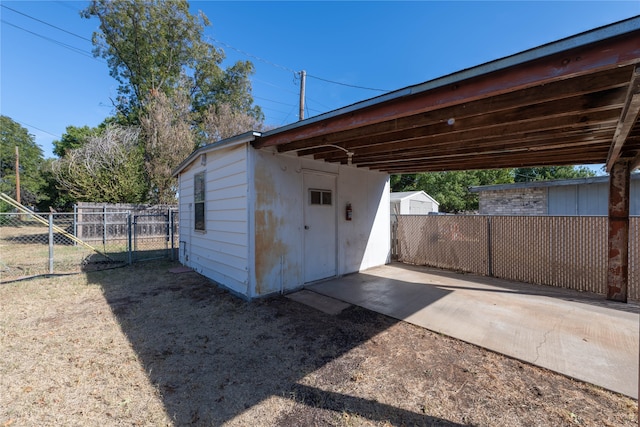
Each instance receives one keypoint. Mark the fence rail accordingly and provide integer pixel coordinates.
(568, 252)
(41, 244)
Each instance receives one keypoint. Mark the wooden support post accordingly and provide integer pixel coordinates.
(618, 263)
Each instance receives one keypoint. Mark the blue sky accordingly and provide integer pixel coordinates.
(49, 79)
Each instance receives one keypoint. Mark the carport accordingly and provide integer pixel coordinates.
(574, 101)
(576, 334)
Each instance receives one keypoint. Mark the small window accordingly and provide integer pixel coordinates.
(198, 200)
(320, 197)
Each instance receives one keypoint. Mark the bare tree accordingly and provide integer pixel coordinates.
(168, 140)
(108, 168)
(223, 121)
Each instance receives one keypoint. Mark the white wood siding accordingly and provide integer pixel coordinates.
(221, 251)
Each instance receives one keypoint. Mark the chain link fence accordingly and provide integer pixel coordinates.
(58, 243)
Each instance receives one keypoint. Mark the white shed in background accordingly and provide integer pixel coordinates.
(412, 203)
(260, 222)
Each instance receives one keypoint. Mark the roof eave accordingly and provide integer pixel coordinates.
(243, 138)
(572, 42)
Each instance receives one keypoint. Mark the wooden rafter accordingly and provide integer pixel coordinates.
(628, 118)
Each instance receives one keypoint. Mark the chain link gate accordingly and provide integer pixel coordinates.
(154, 236)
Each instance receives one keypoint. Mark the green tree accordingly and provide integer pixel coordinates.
(13, 135)
(52, 193)
(154, 46)
(545, 173)
(156, 51)
(406, 182)
(451, 189)
(74, 137)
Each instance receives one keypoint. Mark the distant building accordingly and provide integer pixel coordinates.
(580, 196)
(412, 203)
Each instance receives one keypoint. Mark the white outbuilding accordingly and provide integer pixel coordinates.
(260, 222)
(412, 203)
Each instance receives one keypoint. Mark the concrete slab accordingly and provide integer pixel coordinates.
(180, 270)
(576, 334)
(319, 302)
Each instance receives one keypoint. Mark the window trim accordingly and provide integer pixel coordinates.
(199, 201)
(322, 193)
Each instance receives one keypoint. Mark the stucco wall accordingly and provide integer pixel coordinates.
(279, 216)
(521, 201)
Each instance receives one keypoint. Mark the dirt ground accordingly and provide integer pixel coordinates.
(142, 346)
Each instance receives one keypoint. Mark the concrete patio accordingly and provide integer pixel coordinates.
(576, 334)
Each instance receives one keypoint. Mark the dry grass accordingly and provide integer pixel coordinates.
(142, 346)
(24, 251)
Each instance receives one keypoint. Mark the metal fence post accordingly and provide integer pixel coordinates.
(489, 241)
(129, 230)
(104, 226)
(168, 231)
(171, 234)
(50, 243)
(75, 223)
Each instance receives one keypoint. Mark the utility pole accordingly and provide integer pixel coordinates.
(17, 174)
(303, 78)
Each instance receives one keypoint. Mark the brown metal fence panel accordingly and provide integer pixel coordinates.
(521, 248)
(569, 252)
(444, 241)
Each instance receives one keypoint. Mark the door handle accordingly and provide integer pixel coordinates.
(306, 227)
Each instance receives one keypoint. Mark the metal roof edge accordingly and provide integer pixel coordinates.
(411, 194)
(407, 194)
(227, 142)
(581, 39)
(544, 184)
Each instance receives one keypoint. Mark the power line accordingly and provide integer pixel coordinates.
(41, 130)
(68, 6)
(291, 70)
(288, 104)
(49, 39)
(345, 84)
(257, 58)
(46, 23)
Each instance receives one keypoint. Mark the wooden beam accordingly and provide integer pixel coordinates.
(635, 162)
(588, 59)
(516, 145)
(628, 118)
(420, 138)
(494, 161)
(608, 91)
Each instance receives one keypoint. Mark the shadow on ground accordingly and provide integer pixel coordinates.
(499, 285)
(215, 358)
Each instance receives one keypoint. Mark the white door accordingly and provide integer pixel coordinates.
(319, 226)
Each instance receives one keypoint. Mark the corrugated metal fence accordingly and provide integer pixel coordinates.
(567, 251)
